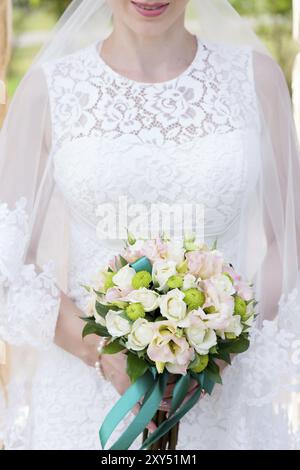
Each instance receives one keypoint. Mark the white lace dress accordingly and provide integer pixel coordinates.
(175, 142)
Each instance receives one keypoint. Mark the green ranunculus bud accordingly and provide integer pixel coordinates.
(199, 363)
(183, 267)
(108, 281)
(175, 282)
(141, 279)
(135, 311)
(194, 298)
(230, 336)
(210, 309)
(240, 307)
(130, 238)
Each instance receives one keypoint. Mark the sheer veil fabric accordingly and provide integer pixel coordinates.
(34, 260)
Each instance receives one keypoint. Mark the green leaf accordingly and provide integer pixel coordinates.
(224, 356)
(206, 383)
(213, 372)
(98, 292)
(236, 346)
(136, 366)
(123, 261)
(93, 328)
(102, 309)
(87, 319)
(113, 348)
(87, 288)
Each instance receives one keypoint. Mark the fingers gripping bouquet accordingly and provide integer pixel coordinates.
(176, 309)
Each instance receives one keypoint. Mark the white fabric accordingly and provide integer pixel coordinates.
(195, 121)
(227, 140)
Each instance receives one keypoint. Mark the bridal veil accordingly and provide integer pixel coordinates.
(34, 257)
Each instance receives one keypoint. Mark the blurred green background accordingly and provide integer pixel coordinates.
(33, 19)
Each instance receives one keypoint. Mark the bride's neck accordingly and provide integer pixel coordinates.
(149, 58)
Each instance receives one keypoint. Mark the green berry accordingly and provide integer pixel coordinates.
(210, 309)
(175, 282)
(135, 311)
(194, 298)
(141, 279)
(240, 307)
(199, 363)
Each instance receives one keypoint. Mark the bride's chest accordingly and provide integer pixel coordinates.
(213, 171)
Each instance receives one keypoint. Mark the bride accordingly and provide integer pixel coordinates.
(146, 108)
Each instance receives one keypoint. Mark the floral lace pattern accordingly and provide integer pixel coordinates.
(90, 99)
(29, 301)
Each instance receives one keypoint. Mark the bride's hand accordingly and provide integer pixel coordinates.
(114, 370)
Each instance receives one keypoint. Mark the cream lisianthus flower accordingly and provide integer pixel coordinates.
(116, 324)
(172, 306)
(148, 298)
(140, 336)
(162, 271)
(205, 264)
(123, 278)
(168, 349)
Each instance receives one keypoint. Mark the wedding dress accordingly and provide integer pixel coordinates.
(192, 139)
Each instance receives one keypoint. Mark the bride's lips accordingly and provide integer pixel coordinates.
(150, 10)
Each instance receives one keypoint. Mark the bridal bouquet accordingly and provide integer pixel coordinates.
(175, 309)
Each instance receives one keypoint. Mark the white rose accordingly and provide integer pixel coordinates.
(224, 284)
(172, 305)
(175, 251)
(123, 278)
(189, 282)
(162, 271)
(200, 338)
(117, 325)
(141, 335)
(148, 298)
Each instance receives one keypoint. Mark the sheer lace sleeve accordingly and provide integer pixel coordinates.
(29, 297)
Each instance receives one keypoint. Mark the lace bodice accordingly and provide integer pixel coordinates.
(89, 99)
(175, 142)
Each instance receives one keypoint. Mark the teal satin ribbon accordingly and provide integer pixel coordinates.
(142, 264)
(151, 387)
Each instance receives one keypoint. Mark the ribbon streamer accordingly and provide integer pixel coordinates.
(152, 387)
